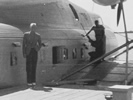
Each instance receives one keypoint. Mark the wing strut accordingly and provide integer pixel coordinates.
(127, 46)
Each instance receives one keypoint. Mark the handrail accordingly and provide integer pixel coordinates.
(122, 52)
(105, 55)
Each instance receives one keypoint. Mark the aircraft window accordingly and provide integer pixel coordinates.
(65, 53)
(85, 20)
(83, 14)
(74, 12)
(89, 21)
(82, 52)
(74, 53)
(56, 55)
(13, 58)
(60, 53)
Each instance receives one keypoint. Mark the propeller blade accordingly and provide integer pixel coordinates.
(119, 12)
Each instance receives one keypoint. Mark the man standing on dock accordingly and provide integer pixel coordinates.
(31, 46)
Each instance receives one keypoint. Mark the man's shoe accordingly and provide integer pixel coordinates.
(29, 84)
(33, 84)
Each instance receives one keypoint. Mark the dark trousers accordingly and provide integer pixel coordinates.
(31, 63)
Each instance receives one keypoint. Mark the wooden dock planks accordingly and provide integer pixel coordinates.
(54, 93)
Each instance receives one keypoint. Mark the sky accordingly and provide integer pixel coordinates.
(109, 15)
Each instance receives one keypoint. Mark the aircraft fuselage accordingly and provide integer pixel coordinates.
(60, 24)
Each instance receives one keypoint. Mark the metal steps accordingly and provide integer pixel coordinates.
(106, 73)
(114, 75)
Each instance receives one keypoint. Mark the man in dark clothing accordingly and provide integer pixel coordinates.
(31, 46)
(100, 43)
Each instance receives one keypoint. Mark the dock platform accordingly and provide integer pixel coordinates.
(73, 91)
(53, 93)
